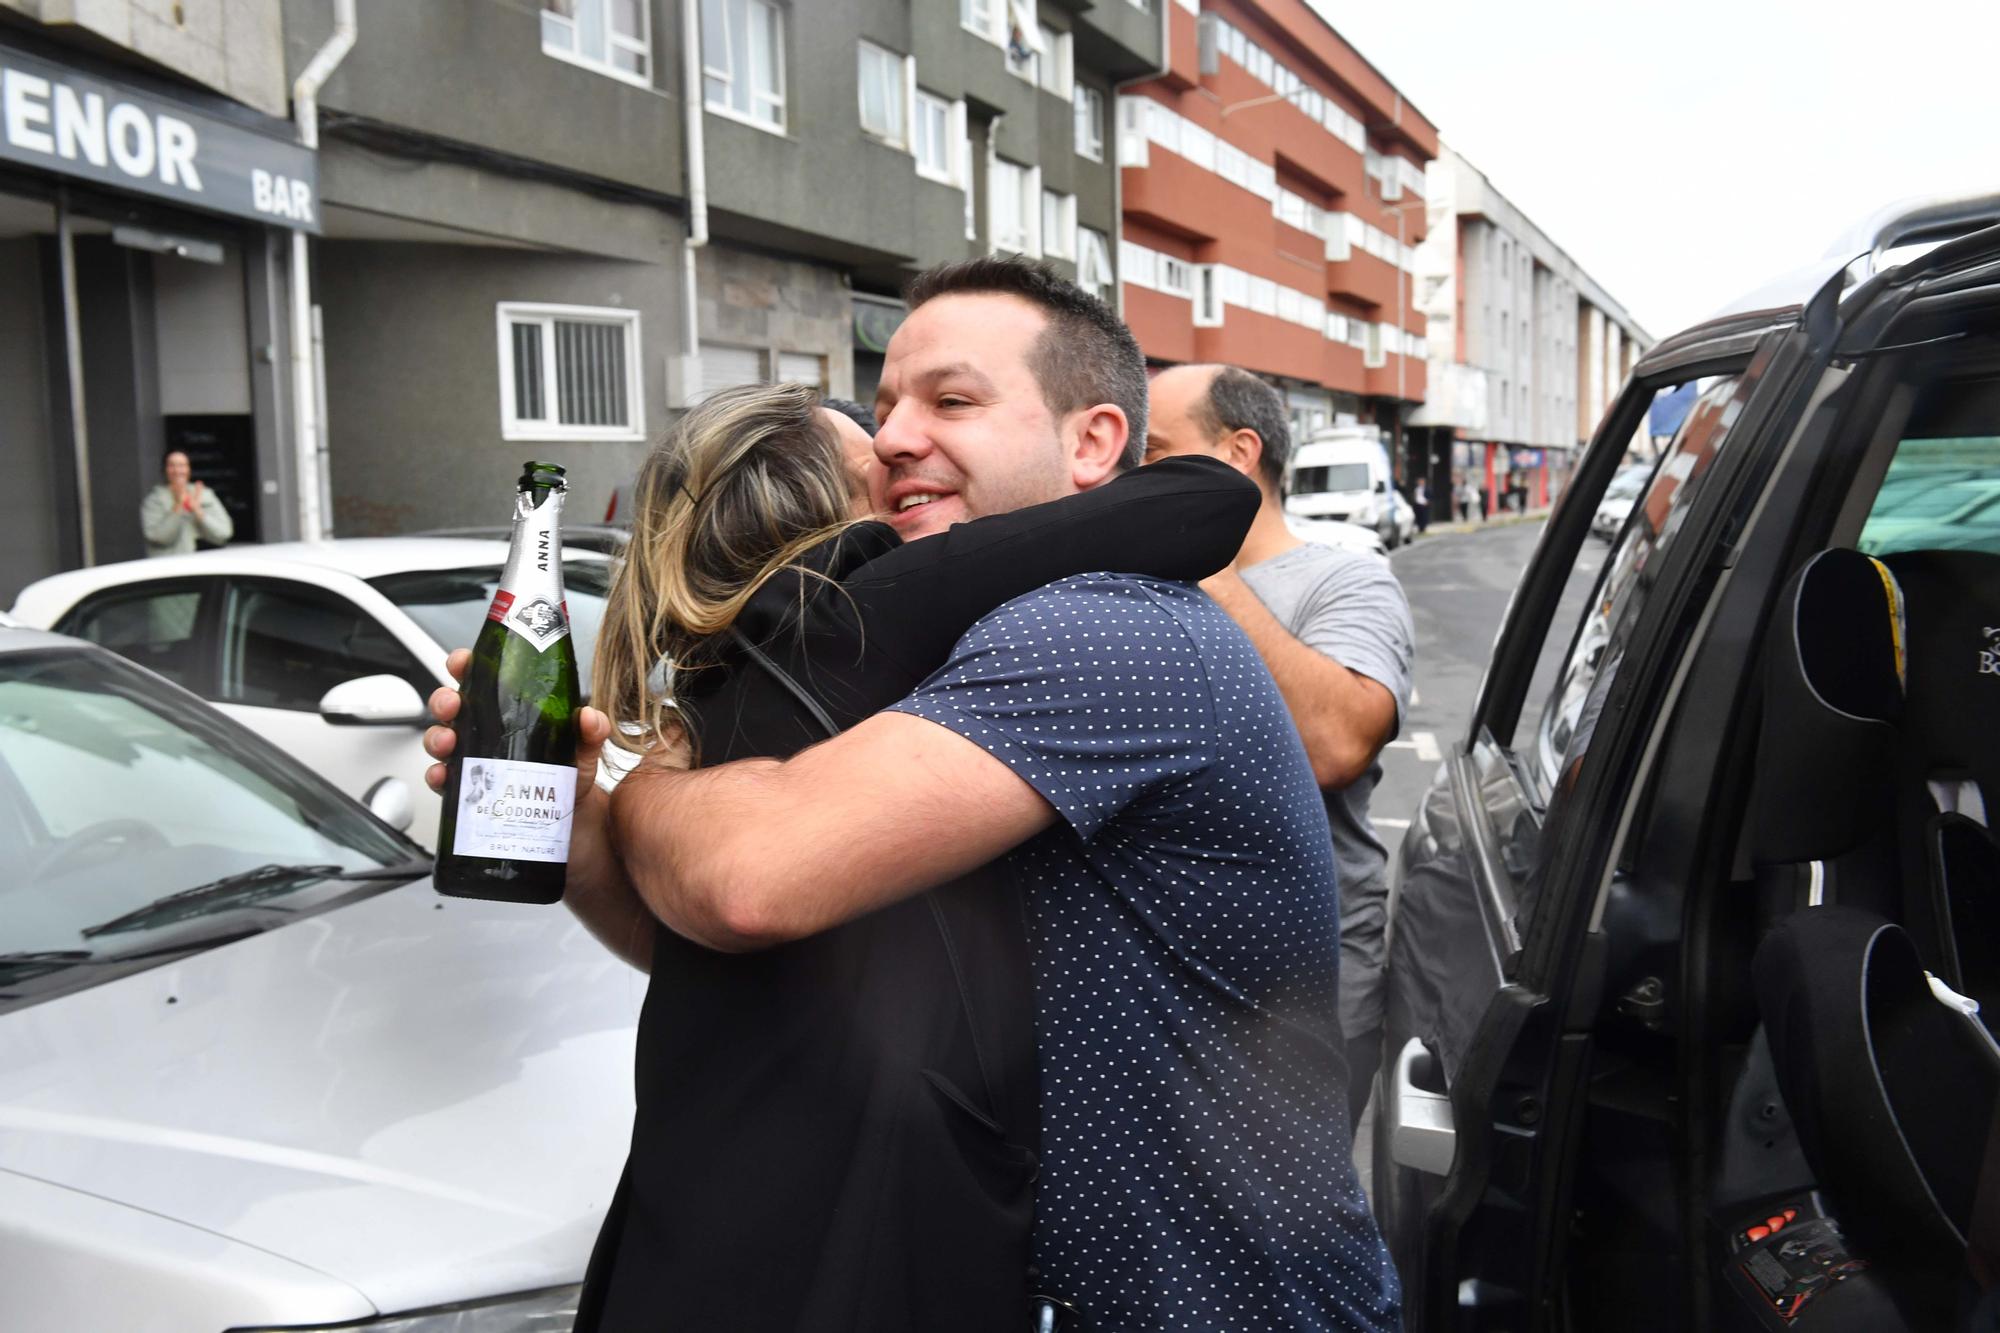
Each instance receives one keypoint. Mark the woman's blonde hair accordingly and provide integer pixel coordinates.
(745, 484)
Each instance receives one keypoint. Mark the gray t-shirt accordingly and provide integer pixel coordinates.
(1350, 607)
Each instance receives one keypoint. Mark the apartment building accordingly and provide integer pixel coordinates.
(546, 229)
(1527, 349)
(1273, 202)
(150, 187)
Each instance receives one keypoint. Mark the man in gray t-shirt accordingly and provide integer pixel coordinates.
(1334, 629)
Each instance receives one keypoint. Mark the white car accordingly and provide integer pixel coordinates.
(254, 1072)
(1337, 533)
(327, 649)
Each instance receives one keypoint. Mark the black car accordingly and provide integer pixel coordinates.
(1691, 931)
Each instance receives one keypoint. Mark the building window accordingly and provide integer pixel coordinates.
(1088, 104)
(807, 368)
(607, 35)
(1175, 276)
(569, 373)
(935, 145)
(966, 178)
(1093, 263)
(981, 16)
(885, 89)
(1058, 224)
(1024, 41)
(1207, 297)
(1057, 71)
(743, 60)
(1013, 201)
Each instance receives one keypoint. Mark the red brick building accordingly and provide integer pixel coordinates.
(1273, 198)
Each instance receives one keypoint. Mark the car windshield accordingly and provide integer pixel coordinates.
(116, 791)
(450, 604)
(1330, 477)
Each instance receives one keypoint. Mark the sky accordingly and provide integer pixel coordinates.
(1684, 155)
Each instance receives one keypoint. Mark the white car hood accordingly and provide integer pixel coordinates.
(427, 1099)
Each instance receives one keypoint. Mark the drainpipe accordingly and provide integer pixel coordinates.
(697, 196)
(307, 426)
(1117, 166)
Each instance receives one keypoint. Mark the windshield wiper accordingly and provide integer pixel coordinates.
(246, 889)
(36, 961)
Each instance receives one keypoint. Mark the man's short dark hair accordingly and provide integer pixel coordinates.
(1238, 400)
(853, 411)
(1085, 356)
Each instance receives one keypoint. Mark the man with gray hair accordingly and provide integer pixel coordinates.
(1334, 628)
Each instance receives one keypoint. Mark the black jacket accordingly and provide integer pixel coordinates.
(838, 1134)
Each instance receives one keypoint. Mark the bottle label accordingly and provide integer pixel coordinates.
(510, 810)
(529, 601)
(538, 620)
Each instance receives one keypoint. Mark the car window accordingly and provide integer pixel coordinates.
(284, 645)
(115, 792)
(153, 624)
(1596, 648)
(1939, 494)
(450, 604)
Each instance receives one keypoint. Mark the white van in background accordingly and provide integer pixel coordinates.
(1342, 472)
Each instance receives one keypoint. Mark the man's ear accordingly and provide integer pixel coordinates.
(1243, 450)
(1101, 433)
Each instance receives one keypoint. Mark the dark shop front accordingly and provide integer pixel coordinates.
(145, 241)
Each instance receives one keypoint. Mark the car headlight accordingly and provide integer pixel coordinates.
(550, 1311)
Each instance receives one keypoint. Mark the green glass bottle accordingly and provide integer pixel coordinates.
(511, 785)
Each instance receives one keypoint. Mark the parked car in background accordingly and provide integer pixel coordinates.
(328, 649)
(1340, 535)
(1683, 933)
(1616, 506)
(254, 1072)
(1342, 473)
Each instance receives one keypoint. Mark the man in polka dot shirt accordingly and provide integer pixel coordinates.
(1116, 743)
(1334, 627)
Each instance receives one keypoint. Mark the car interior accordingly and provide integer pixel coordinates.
(1794, 1088)
(1857, 1182)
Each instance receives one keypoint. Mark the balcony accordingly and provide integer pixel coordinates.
(1313, 150)
(1182, 199)
(1341, 368)
(1382, 379)
(1164, 325)
(1263, 343)
(1365, 278)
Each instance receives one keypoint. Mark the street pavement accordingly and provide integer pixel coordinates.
(1458, 584)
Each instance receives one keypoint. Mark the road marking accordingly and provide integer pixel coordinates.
(1416, 696)
(1424, 743)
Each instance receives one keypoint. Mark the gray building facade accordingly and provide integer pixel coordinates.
(528, 250)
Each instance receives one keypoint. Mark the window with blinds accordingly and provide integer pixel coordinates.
(569, 373)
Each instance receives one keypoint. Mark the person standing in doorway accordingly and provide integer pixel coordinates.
(1420, 500)
(1334, 629)
(180, 509)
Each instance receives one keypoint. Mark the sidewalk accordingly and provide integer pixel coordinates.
(1500, 519)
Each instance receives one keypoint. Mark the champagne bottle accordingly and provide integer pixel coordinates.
(511, 784)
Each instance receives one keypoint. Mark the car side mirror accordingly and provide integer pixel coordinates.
(374, 701)
(389, 800)
(1381, 487)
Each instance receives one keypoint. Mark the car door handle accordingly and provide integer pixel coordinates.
(1421, 1134)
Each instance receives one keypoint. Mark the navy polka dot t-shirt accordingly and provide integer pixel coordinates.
(1186, 936)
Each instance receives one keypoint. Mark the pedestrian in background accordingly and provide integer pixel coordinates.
(1334, 628)
(181, 509)
(1468, 500)
(1420, 500)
